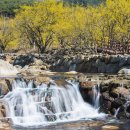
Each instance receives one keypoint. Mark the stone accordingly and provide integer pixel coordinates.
(128, 108)
(24, 60)
(124, 70)
(112, 68)
(37, 62)
(110, 127)
(38, 80)
(7, 69)
(117, 103)
(102, 67)
(122, 114)
(114, 59)
(3, 88)
(128, 60)
(105, 106)
(123, 61)
(2, 111)
(87, 84)
(62, 83)
(120, 92)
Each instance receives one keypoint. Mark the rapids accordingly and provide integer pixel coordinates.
(30, 105)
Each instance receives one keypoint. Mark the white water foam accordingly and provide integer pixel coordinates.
(43, 105)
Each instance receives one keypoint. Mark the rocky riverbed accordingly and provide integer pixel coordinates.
(109, 74)
(70, 60)
(114, 90)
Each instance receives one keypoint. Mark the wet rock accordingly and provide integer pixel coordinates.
(62, 83)
(24, 60)
(120, 92)
(112, 68)
(124, 70)
(110, 127)
(114, 59)
(117, 103)
(105, 106)
(87, 84)
(123, 61)
(104, 86)
(38, 80)
(2, 111)
(37, 62)
(106, 96)
(101, 66)
(128, 108)
(128, 60)
(3, 88)
(122, 114)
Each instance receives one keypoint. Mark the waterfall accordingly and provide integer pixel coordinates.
(96, 96)
(45, 104)
(116, 112)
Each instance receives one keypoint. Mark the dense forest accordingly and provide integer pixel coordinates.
(51, 23)
(9, 7)
(84, 2)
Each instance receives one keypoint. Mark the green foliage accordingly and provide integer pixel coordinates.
(8, 7)
(50, 23)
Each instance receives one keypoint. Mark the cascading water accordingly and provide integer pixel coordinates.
(45, 104)
(96, 96)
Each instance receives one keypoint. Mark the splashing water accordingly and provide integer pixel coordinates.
(28, 106)
(6, 69)
(116, 112)
(96, 96)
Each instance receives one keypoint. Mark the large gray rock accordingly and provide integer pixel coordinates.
(24, 60)
(101, 67)
(112, 68)
(115, 59)
(123, 61)
(128, 60)
(124, 70)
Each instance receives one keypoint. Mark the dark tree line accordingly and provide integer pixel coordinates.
(8, 7)
(84, 2)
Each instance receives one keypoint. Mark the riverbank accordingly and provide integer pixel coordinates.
(103, 75)
(70, 60)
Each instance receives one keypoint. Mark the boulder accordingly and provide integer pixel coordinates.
(112, 68)
(123, 61)
(2, 111)
(128, 60)
(117, 103)
(87, 84)
(110, 127)
(37, 62)
(24, 60)
(102, 67)
(114, 59)
(124, 70)
(3, 88)
(120, 92)
(6, 69)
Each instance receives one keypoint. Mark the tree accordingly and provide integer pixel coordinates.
(6, 32)
(8, 7)
(38, 27)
